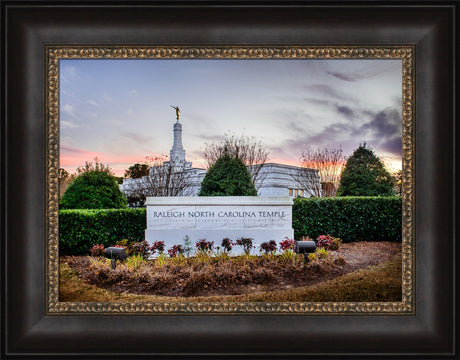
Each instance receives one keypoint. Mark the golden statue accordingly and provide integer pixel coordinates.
(177, 111)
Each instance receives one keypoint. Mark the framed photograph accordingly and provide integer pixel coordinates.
(222, 249)
(77, 87)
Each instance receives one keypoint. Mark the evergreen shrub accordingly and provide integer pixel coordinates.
(80, 230)
(227, 177)
(365, 175)
(93, 189)
(372, 218)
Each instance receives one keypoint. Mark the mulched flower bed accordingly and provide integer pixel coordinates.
(208, 276)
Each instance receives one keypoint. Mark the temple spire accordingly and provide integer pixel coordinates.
(177, 153)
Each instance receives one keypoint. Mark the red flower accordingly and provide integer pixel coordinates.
(324, 241)
(287, 244)
(97, 250)
(204, 246)
(175, 250)
(227, 244)
(268, 247)
(158, 245)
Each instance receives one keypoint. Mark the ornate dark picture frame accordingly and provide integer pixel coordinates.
(35, 36)
(405, 54)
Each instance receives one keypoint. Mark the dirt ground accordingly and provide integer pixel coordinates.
(230, 277)
(362, 254)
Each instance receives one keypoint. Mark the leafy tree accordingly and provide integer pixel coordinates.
(250, 151)
(365, 175)
(228, 177)
(136, 171)
(94, 188)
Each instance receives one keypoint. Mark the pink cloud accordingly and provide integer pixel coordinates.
(285, 161)
(74, 157)
(68, 149)
(71, 158)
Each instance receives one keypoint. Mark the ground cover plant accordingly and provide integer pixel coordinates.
(277, 277)
(328, 242)
(381, 282)
(268, 247)
(246, 244)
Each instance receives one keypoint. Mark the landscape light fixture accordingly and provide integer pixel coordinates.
(305, 248)
(114, 254)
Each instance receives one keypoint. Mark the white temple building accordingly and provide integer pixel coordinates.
(273, 179)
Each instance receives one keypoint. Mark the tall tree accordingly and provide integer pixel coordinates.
(328, 165)
(94, 188)
(137, 170)
(251, 152)
(227, 177)
(365, 175)
(65, 179)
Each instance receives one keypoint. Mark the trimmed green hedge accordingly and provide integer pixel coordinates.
(349, 218)
(372, 218)
(79, 230)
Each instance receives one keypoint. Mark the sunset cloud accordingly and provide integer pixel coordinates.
(119, 110)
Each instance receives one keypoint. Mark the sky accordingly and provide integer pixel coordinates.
(120, 110)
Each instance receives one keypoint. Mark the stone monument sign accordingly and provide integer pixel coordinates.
(214, 218)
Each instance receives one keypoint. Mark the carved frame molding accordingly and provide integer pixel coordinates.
(407, 56)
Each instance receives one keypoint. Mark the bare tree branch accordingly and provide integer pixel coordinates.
(164, 179)
(252, 152)
(328, 163)
(308, 179)
(97, 166)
